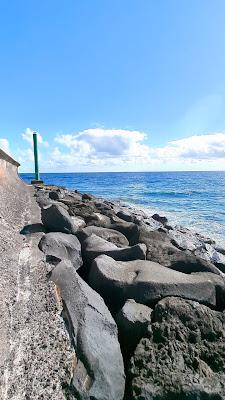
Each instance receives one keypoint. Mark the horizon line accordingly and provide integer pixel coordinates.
(118, 172)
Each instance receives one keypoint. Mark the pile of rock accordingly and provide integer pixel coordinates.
(142, 301)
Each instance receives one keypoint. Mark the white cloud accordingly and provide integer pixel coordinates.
(28, 136)
(4, 145)
(125, 150)
(117, 149)
(197, 147)
(108, 143)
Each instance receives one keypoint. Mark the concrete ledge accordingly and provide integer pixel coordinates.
(6, 157)
(8, 170)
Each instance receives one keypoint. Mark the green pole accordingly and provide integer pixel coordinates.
(37, 176)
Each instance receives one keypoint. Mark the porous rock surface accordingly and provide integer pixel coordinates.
(182, 356)
(36, 357)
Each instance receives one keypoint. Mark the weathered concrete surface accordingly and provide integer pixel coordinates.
(35, 354)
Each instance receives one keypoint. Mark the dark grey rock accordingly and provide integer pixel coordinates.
(98, 219)
(159, 218)
(98, 368)
(87, 196)
(159, 245)
(56, 219)
(187, 262)
(126, 216)
(147, 282)
(94, 246)
(56, 195)
(45, 202)
(184, 355)
(110, 235)
(132, 321)
(63, 247)
(128, 229)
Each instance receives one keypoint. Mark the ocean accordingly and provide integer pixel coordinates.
(195, 200)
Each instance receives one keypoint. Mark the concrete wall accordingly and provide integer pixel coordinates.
(8, 169)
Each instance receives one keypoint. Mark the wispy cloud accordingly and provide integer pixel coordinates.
(200, 147)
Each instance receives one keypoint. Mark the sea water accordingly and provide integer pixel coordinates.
(195, 200)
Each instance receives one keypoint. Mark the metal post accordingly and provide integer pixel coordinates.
(37, 176)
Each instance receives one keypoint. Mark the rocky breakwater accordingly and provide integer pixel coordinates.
(143, 302)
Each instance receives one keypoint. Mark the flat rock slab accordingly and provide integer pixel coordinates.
(62, 246)
(183, 356)
(94, 246)
(98, 371)
(147, 282)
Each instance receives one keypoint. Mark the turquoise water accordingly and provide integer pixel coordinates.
(192, 199)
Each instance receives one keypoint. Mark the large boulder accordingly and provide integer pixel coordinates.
(187, 262)
(159, 218)
(128, 229)
(56, 219)
(148, 282)
(98, 219)
(56, 194)
(98, 368)
(94, 246)
(132, 321)
(183, 356)
(110, 235)
(61, 246)
(159, 245)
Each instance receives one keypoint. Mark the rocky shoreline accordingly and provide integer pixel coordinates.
(142, 301)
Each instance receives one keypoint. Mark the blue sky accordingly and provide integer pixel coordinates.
(114, 84)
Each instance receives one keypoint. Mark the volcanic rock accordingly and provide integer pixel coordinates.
(94, 246)
(184, 355)
(62, 246)
(98, 368)
(147, 282)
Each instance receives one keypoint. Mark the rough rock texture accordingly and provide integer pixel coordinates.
(78, 222)
(110, 235)
(128, 229)
(183, 356)
(56, 219)
(187, 262)
(147, 282)
(200, 246)
(35, 353)
(159, 246)
(159, 218)
(94, 246)
(62, 246)
(98, 370)
(132, 321)
(56, 195)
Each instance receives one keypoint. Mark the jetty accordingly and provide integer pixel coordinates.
(101, 301)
